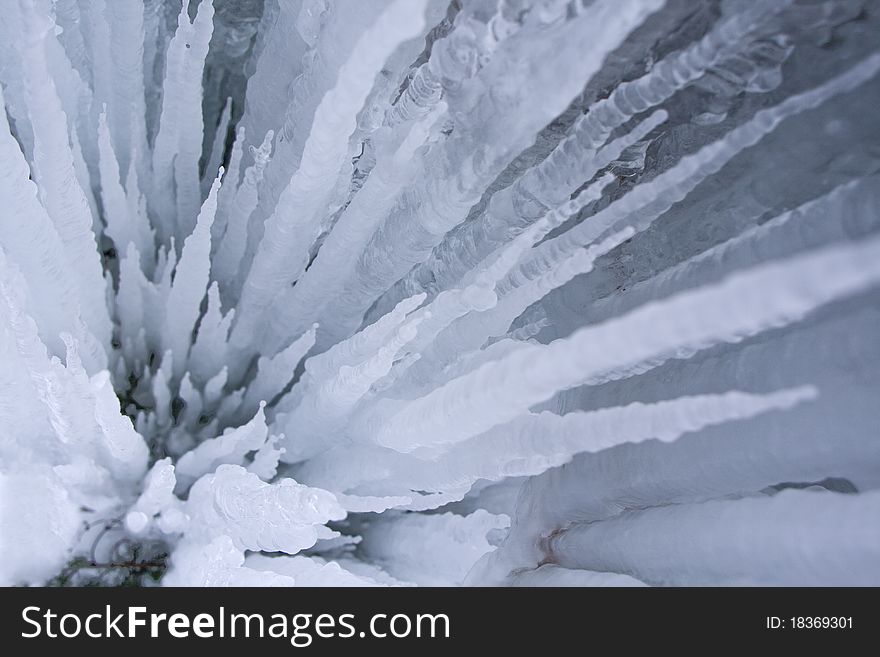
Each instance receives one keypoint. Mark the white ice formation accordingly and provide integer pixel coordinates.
(443, 292)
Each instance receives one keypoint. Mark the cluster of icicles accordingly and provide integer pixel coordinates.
(567, 292)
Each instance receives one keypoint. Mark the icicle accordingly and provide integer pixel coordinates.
(161, 389)
(227, 192)
(83, 177)
(451, 179)
(227, 262)
(94, 21)
(157, 497)
(13, 86)
(356, 349)
(178, 144)
(190, 284)
(341, 26)
(320, 414)
(536, 442)
(209, 349)
(273, 374)
(724, 312)
(64, 199)
(155, 42)
(125, 447)
(298, 307)
(729, 458)
(214, 387)
(231, 447)
(126, 105)
(69, 17)
(474, 330)
(192, 406)
(512, 209)
(218, 148)
(804, 227)
(29, 239)
(84, 414)
(460, 55)
(284, 250)
(648, 201)
(121, 226)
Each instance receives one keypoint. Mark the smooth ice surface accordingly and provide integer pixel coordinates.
(420, 292)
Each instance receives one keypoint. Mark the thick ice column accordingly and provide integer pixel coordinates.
(794, 538)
